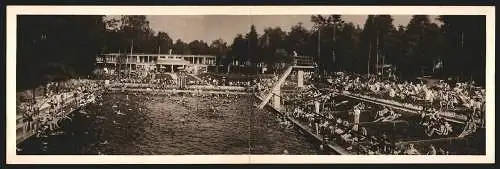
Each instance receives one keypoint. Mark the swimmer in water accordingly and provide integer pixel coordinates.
(120, 113)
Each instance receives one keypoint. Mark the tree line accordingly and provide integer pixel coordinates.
(52, 47)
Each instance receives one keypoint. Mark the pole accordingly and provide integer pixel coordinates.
(369, 56)
(319, 49)
(319, 43)
(370, 49)
(333, 42)
(132, 47)
(376, 50)
(131, 52)
(119, 64)
(383, 63)
(461, 48)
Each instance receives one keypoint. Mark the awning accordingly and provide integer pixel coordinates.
(173, 62)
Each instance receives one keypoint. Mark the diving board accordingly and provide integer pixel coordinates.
(276, 86)
(275, 90)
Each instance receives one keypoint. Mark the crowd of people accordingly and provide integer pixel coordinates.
(58, 99)
(223, 81)
(461, 97)
(263, 85)
(166, 80)
(345, 131)
(306, 106)
(435, 124)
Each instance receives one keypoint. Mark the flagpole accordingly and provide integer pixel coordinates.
(333, 42)
(376, 50)
(131, 52)
(119, 63)
(319, 44)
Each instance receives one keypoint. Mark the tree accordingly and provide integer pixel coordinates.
(181, 47)
(347, 38)
(373, 39)
(199, 47)
(271, 41)
(252, 40)
(137, 32)
(220, 49)
(326, 36)
(52, 48)
(238, 49)
(163, 42)
(297, 40)
(465, 46)
(423, 43)
(395, 47)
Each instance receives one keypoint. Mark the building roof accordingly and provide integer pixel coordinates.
(146, 54)
(172, 62)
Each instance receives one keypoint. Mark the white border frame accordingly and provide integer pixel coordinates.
(13, 11)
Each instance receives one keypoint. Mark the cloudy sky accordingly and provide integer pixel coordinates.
(211, 27)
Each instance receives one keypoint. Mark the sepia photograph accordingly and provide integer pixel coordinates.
(323, 84)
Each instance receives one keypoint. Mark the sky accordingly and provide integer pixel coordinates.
(212, 27)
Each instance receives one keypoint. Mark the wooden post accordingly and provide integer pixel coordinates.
(300, 78)
(277, 99)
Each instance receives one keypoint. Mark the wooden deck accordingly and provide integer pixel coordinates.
(335, 148)
(25, 130)
(399, 106)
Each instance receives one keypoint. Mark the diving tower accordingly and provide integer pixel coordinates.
(300, 63)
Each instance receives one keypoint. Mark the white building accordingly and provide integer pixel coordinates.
(155, 62)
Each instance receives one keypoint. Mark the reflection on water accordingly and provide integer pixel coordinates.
(146, 124)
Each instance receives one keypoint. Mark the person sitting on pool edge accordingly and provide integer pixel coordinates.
(470, 127)
(432, 150)
(411, 150)
(381, 113)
